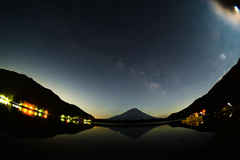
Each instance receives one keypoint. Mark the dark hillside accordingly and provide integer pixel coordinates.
(224, 91)
(21, 88)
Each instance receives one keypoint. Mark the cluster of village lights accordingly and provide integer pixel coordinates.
(75, 120)
(4, 100)
(26, 108)
(30, 109)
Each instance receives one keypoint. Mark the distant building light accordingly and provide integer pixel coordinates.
(86, 121)
(202, 112)
(14, 105)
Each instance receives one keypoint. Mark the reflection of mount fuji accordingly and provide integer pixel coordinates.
(133, 132)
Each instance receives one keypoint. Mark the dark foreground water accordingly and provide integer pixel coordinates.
(145, 142)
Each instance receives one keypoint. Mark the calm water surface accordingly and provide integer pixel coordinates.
(163, 142)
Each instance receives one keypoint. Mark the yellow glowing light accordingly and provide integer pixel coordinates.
(4, 98)
(24, 110)
(62, 119)
(1, 100)
(86, 121)
(76, 118)
(35, 113)
(45, 116)
(62, 116)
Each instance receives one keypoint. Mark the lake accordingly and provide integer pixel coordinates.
(110, 142)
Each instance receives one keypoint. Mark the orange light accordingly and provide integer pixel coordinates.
(29, 105)
(203, 111)
(45, 116)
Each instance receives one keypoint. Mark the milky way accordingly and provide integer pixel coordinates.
(109, 56)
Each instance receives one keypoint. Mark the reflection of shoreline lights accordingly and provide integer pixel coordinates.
(25, 110)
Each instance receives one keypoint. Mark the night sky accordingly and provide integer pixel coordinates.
(108, 56)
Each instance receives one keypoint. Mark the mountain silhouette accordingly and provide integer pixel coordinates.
(132, 114)
(21, 88)
(226, 90)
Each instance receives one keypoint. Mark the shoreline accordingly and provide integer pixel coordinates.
(134, 123)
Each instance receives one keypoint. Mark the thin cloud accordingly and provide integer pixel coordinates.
(223, 56)
(154, 86)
